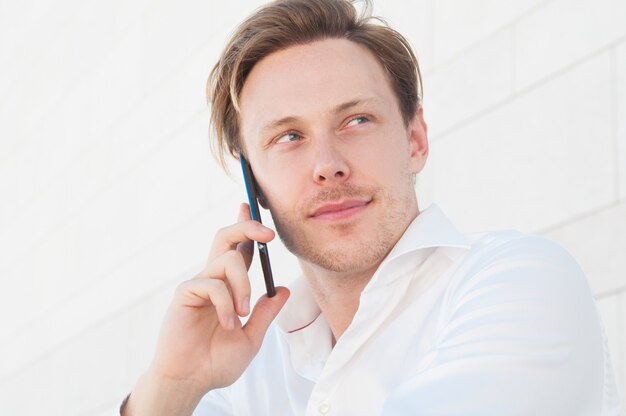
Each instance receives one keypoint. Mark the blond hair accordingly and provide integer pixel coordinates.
(285, 23)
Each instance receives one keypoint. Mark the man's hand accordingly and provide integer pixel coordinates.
(202, 344)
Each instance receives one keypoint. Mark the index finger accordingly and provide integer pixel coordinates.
(247, 247)
(229, 237)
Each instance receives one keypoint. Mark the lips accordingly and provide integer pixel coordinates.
(339, 210)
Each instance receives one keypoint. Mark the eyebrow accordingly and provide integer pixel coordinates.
(347, 105)
(337, 109)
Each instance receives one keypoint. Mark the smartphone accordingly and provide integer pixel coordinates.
(252, 191)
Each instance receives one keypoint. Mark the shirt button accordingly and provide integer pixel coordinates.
(324, 408)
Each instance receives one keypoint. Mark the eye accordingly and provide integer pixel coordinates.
(357, 120)
(288, 137)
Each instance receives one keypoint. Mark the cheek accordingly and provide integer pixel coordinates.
(386, 159)
(280, 189)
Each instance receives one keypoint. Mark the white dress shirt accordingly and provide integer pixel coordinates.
(497, 323)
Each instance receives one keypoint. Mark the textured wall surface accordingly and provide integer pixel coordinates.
(109, 196)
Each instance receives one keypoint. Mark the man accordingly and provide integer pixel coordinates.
(396, 312)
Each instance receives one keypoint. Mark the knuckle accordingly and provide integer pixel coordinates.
(182, 286)
(215, 285)
(221, 233)
(234, 256)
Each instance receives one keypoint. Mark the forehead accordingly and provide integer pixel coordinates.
(309, 79)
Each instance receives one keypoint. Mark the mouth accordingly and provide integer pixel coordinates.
(340, 210)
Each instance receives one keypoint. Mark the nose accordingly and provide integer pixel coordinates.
(330, 165)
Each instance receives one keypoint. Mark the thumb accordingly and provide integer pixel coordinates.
(263, 314)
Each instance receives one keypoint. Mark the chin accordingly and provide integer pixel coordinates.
(345, 255)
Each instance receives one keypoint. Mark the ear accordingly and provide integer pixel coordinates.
(418, 141)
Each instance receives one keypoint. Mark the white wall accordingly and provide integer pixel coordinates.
(109, 196)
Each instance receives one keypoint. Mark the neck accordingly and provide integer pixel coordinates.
(337, 293)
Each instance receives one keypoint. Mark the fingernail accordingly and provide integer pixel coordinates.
(264, 229)
(245, 305)
(230, 323)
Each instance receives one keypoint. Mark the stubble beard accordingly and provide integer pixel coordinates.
(353, 253)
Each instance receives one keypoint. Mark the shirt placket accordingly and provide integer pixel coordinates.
(374, 310)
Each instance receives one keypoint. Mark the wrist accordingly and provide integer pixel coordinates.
(156, 395)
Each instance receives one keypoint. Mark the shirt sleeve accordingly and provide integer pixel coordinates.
(215, 403)
(519, 335)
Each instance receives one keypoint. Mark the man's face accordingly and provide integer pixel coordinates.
(331, 152)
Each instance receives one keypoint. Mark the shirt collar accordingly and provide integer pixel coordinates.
(430, 229)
